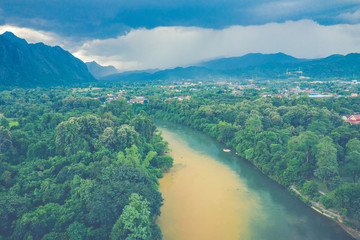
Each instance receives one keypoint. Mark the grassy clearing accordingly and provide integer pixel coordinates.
(13, 123)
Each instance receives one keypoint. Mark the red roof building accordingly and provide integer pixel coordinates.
(353, 119)
(140, 100)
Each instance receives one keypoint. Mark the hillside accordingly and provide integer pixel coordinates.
(99, 71)
(261, 66)
(167, 74)
(29, 65)
(251, 59)
(334, 66)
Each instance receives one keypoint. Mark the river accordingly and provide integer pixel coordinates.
(212, 194)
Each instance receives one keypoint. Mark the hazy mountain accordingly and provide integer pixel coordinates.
(99, 71)
(178, 73)
(251, 59)
(339, 66)
(256, 66)
(131, 74)
(27, 65)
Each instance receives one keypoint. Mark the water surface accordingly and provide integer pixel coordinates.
(211, 194)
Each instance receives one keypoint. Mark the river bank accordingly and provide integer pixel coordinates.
(278, 214)
(326, 212)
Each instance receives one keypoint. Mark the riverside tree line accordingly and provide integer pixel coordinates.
(296, 141)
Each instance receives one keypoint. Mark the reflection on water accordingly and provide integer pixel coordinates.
(209, 194)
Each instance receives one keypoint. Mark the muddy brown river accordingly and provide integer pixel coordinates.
(212, 194)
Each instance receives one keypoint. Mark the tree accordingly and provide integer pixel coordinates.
(5, 140)
(132, 157)
(77, 231)
(150, 156)
(127, 136)
(164, 162)
(108, 138)
(254, 124)
(134, 221)
(144, 126)
(91, 125)
(12, 206)
(226, 131)
(352, 158)
(67, 137)
(4, 122)
(310, 188)
(326, 162)
(117, 107)
(304, 142)
(42, 220)
(38, 149)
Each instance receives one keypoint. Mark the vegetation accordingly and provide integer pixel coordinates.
(73, 169)
(295, 141)
(78, 164)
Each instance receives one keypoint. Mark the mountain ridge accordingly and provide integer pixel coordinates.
(247, 60)
(333, 66)
(28, 65)
(99, 71)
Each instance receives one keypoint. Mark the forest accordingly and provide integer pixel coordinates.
(75, 165)
(72, 168)
(298, 141)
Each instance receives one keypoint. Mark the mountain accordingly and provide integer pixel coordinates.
(133, 75)
(260, 66)
(248, 60)
(28, 65)
(338, 66)
(99, 71)
(178, 73)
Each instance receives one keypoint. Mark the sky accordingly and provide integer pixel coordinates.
(149, 34)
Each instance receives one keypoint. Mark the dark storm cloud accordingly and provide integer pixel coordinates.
(110, 18)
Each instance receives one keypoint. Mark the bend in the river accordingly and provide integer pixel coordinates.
(211, 194)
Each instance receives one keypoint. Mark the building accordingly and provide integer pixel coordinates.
(236, 92)
(318, 95)
(354, 118)
(141, 100)
(181, 98)
(221, 83)
(266, 95)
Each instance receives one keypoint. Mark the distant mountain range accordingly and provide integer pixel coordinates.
(256, 65)
(99, 71)
(248, 60)
(29, 65)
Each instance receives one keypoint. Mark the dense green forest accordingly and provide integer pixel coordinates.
(73, 169)
(75, 165)
(301, 142)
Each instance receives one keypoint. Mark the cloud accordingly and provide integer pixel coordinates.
(49, 38)
(167, 47)
(350, 17)
(109, 18)
(321, 11)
